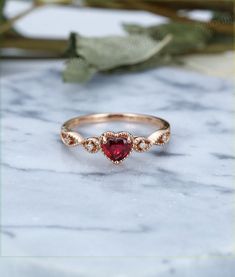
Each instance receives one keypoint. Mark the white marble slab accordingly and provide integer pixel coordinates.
(170, 203)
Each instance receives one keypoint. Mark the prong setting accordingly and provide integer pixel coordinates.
(142, 144)
(115, 146)
(115, 137)
(92, 145)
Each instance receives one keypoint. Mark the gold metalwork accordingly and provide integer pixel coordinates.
(70, 137)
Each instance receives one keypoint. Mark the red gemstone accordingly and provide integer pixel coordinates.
(116, 149)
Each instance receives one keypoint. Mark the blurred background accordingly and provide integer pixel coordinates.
(35, 34)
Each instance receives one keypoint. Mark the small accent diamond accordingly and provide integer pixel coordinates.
(91, 145)
(141, 144)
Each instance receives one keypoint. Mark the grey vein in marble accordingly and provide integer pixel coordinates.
(172, 201)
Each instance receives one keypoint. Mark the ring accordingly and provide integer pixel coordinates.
(115, 146)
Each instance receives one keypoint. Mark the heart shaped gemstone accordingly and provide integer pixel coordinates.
(116, 146)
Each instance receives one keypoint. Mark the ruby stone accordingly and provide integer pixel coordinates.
(116, 149)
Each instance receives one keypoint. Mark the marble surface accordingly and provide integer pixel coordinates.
(167, 210)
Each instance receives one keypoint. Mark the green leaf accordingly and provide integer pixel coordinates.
(223, 17)
(78, 70)
(2, 4)
(186, 37)
(90, 55)
(153, 62)
(113, 51)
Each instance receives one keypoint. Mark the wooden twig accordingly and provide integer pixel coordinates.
(31, 57)
(57, 46)
(163, 10)
(172, 14)
(214, 5)
(9, 23)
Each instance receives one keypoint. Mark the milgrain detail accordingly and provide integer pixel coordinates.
(161, 137)
(70, 138)
(142, 144)
(92, 145)
(115, 146)
(127, 140)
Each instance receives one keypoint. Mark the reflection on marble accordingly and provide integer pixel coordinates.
(169, 202)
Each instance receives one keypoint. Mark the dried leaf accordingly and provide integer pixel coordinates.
(78, 70)
(144, 48)
(109, 52)
(186, 37)
(2, 4)
(153, 62)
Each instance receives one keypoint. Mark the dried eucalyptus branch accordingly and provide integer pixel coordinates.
(164, 10)
(105, 54)
(144, 48)
(56, 46)
(213, 5)
(9, 23)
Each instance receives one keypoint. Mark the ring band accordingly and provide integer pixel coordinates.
(115, 146)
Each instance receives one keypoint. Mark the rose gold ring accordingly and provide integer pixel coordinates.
(115, 146)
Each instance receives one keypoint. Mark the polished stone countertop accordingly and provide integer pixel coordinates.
(166, 210)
